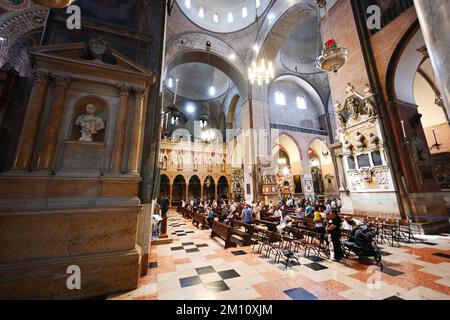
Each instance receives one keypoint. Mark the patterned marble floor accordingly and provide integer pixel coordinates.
(196, 267)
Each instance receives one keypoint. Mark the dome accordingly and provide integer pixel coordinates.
(198, 81)
(223, 16)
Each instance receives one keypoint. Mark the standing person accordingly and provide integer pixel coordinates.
(338, 204)
(164, 206)
(258, 211)
(247, 215)
(334, 228)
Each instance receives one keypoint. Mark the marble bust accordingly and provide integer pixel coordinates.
(89, 123)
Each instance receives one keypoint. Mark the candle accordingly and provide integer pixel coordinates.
(434, 135)
(176, 92)
(403, 128)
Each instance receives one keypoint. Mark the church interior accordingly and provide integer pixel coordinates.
(225, 150)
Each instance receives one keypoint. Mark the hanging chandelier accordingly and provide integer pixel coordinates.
(208, 135)
(333, 56)
(262, 72)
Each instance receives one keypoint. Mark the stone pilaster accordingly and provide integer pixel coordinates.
(119, 137)
(136, 131)
(32, 121)
(47, 152)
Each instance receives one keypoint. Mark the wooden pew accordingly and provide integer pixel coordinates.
(224, 232)
(187, 214)
(199, 219)
(245, 237)
(271, 226)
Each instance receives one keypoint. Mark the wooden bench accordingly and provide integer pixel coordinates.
(187, 214)
(244, 237)
(224, 232)
(199, 219)
(271, 226)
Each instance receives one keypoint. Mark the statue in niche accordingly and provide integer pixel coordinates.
(89, 123)
(180, 161)
(353, 108)
(369, 102)
(350, 90)
(374, 140)
(339, 107)
(348, 147)
(342, 121)
(360, 141)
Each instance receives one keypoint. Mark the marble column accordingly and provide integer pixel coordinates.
(434, 19)
(136, 131)
(187, 193)
(33, 118)
(216, 189)
(170, 194)
(119, 137)
(47, 151)
(201, 191)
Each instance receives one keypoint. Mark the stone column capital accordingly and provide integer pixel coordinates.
(124, 89)
(61, 80)
(40, 76)
(140, 91)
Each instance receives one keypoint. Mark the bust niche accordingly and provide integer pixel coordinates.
(85, 148)
(89, 121)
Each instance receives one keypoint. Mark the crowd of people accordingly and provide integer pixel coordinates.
(324, 213)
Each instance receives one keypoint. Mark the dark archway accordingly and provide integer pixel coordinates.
(194, 188)
(164, 187)
(209, 188)
(222, 188)
(178, 190)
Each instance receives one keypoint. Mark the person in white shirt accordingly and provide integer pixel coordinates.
(351, 223)
(183, 204)
(278, 213)
(284, 220)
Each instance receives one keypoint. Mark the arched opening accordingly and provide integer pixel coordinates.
(316, 172)
(194, 188)
(178, 190)
(411, 83)
(164, 187)
(209, 188)
(322, 168)
(222, 188)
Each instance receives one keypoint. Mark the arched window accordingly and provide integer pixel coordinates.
(201, 12)
(230, 17)
(301, 102)
(216, 18)
(244, 12)
(280, 98)
(224, 165)
(164, 163)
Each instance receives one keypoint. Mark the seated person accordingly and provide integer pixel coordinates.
(285, 219)
(210, 217)
(224, 214)
(300, 212)
(278, 213)
(351, 223)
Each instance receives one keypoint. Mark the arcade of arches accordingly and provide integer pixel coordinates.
(149, 107)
